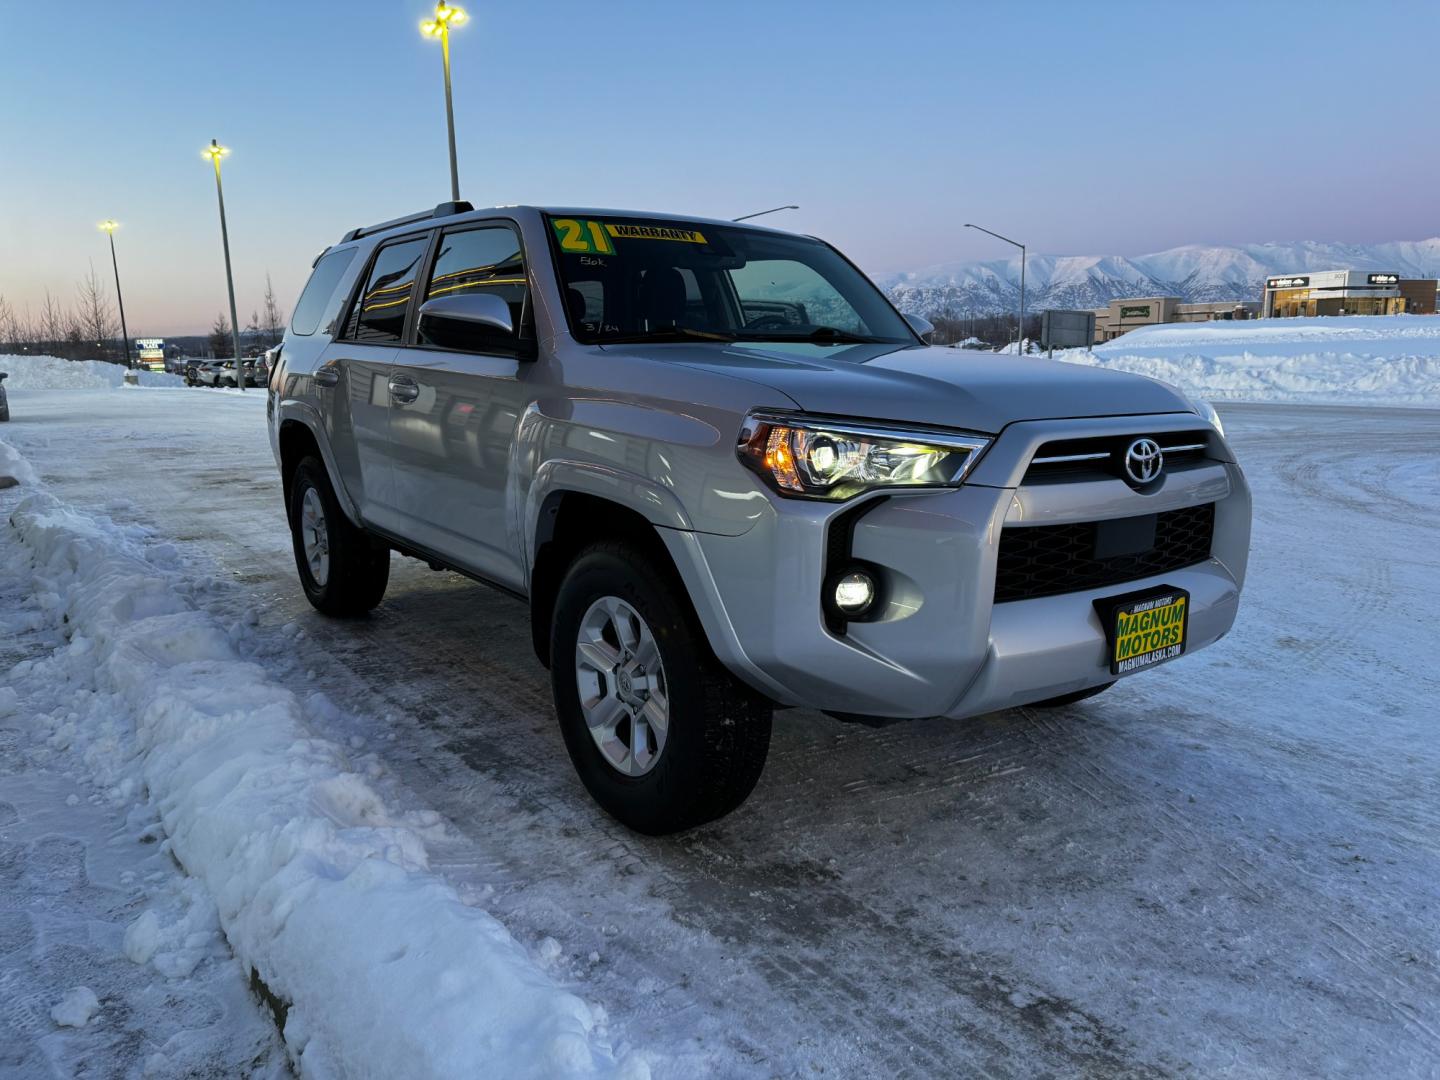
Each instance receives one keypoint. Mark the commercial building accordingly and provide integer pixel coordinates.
(1347, 292)
(1122, 316)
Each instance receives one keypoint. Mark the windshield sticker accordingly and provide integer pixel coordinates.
(582, 237)
(655, 232)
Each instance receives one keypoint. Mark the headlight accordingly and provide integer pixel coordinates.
(809, 457)
(1208, 414)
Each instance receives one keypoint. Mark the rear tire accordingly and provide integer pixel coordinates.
(1071, 699)
(711, 750)
(342, 568)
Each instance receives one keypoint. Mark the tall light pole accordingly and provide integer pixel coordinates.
(215, 152)
(762, 213)
(446, 16)
(109, 227)
(1020, 334)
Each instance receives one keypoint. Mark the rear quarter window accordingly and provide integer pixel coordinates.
(319, 292)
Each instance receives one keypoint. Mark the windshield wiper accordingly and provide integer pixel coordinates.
(823, 335)
(665, 333)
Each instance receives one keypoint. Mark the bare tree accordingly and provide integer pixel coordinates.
(220, 336)
(274, 318)
(96, 318)
(9, 341)
(253, 329)
(51, 327)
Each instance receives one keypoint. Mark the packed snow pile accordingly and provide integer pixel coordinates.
(53, 373)
(321, 888)
(1343, 360)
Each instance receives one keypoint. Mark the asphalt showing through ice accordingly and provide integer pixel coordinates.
(1225, 866)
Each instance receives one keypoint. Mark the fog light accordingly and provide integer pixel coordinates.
(854, 593)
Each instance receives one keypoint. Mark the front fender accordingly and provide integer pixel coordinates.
(656, 503)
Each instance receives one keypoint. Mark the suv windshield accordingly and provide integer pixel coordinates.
(641, 279)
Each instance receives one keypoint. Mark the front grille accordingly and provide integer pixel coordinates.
(1047, 560)
(1104, 456)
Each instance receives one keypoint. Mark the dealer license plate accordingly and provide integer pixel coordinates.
(1147, 629)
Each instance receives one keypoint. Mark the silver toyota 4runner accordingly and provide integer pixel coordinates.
(726, 474)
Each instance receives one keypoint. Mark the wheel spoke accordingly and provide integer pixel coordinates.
(604, 715)
(639, 746)
(599, 655)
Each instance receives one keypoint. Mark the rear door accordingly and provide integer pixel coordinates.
(363, 356)
(452, 427)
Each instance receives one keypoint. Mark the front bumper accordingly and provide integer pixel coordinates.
(941, 646)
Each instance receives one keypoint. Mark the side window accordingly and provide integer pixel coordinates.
(320, 291)
(485, 260)
(379, 314)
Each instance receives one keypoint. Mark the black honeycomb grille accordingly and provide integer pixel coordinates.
(1047, 560)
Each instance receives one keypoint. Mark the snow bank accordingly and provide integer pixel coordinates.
(53, 373)
(1345, 360)
(321, 889)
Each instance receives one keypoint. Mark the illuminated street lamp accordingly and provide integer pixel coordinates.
(215, 152)
(110, 226)
(446, 16)
(1020, 334)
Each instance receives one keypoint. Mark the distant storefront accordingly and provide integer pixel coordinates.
(1122, 316)
(1347, 292)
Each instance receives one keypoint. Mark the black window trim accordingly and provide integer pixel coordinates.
(428, 234)
(525, 332)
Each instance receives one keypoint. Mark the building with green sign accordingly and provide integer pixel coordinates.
(1124, 315)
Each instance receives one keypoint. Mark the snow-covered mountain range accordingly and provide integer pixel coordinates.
(1193, 272)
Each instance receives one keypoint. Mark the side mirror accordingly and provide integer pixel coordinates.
(922, 326)
(4, 375)
(479, 321)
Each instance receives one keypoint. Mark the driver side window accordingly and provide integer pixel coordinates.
(484, 260)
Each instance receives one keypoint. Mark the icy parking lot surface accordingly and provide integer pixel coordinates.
(1226, 866)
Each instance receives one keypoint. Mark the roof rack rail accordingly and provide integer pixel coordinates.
(444, 209)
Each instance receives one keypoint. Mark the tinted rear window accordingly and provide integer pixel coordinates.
(320, 290)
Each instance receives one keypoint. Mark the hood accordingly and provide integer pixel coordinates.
(956, 388)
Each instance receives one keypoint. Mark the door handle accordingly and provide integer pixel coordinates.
(327, 376)
(404, 389)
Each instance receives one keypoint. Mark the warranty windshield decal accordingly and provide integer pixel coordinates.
(586, 237)
(655, 232)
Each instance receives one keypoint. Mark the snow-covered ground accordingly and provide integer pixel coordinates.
(1224, 867)
(1349, 360)
(53, 373)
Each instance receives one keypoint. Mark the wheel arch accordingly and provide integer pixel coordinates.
(298, 436)
(569, 521)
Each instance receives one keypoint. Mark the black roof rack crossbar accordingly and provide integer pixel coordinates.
(445, 209)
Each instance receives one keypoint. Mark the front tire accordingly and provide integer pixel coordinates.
(343, 570)
(663, 737)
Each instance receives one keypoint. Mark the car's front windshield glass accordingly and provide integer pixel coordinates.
(641, 279)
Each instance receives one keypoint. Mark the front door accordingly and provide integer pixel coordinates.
(459, 401)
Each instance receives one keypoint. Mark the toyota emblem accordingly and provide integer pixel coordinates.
(1144, 460)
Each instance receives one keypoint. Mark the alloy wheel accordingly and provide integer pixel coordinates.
(623, 693)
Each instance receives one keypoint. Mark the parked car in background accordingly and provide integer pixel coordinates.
(4, 401)
(726, 474)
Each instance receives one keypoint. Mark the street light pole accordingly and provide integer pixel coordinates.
(109, 227)
(1020, 334)
(215, 152)
(762, 213)
(446, 16)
